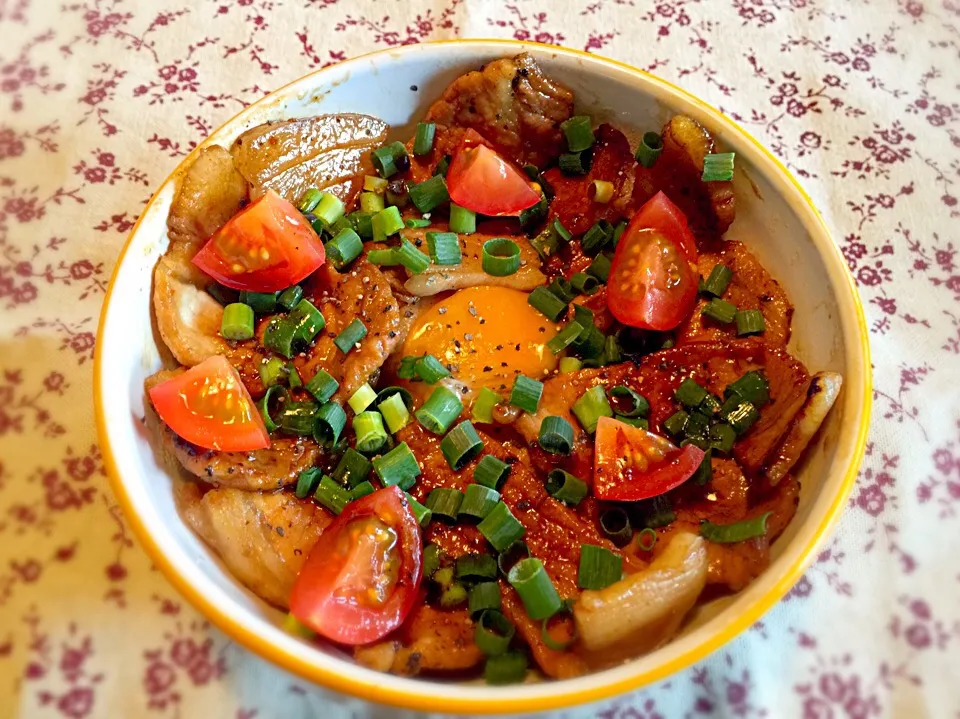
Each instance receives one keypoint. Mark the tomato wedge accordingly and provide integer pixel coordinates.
(265, 247)
(651, 285)
(482, 181)
(659, 213)
(630, 463)
(361, 578)
(208, 406)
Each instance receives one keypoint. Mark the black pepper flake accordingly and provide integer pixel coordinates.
(523, 505)
(517, 347)
(391, 334)
(464, 390)
(413, 88)
(456, 343)
(504, 364)
(280, 531)
(542, 329)
(418, 242)
(388, 308)
(488, 368)
(483, 322)
(511, 460)
(498, 348)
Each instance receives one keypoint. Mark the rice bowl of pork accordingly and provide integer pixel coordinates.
(775, 219)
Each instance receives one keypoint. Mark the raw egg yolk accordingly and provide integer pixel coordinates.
(487, 335)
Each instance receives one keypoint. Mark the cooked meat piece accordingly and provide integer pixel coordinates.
(613, 162)
(362, 292)
(709, 206)
(821, 395)
(469, 273)
(329, 152)
(512, 104)
(263, 538)
(188, 319)
(751, 288)
(429, 640)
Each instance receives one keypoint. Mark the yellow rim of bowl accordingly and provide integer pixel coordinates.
(559, 697)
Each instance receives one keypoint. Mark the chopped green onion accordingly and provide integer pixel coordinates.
(372, 183)
(329, 423)
(599, 567)
(716, 284)
(387, 159)
(695, 429)
(406, 368)
(618, 232)
(385, 223)
(616, 525)
(453, 596)
(223, 295)
(309, 200)
(563, 290)
(564, 487)
(440, 410)
(350, 336)
(590, 344)
(569, 365)
(237, 322)
(272, 371)
(394, 412)
(641, 422)
(260, 302)
(535, 588)
(547, 304)
(638, 407)
(718, 167)
(405, 395)
(647, 539)
(526, 393)
(657, 512)
(410, 257)
(579, 133)
(483, 596)
(429, 194)
(739, 413)
(736, 532)
(753, 387)
(600, 267)
(507, 668)
(362, 490)
(591, 406)
(423, 514)
(511, 555)
(331, 495)
(494, 633)
(361, 399)
(293, 376)
(471, 567)
(597, 237)
(322, 386)
(483, 406)
(330, 209)
(689, 393)
(352, 469)
(461, 444)
(611, 350)
(268, 406)
(675, 423)
(297, 417)
(397, 467)
(306, 321)
(292, 625)
(443, 575)
(545, 243)
(649, 149)
(462, 220)
(565, 337)
(585, 284)
(710, 406)
(423, 140)
(362, 223)
(372, 203)
(431, 560)
(290, 297)
(442, 166)
(562, 232)
(532, 215)
(371, 435)
(490, 472)
(704, 472)
(307, 482)
(416, 223)
(478, 501)
(344, 248)
(501, 528)
(722, 437)
(720, 311)
(575, 163)
(548, 640)
(556, 435)
(444, 248)
(501, 257)
(601, 191)
(749, 322)
(383, 258)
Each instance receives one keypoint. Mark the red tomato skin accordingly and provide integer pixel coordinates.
(659, 213)
(483, 181)
(170, 403)
(625, 484)
(638, 296)
(271, 222)
(313, 600)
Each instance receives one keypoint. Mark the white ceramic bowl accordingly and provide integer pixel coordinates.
(774, 217)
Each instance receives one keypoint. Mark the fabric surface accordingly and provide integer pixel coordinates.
(99, 99)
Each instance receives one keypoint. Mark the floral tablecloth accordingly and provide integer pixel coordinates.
(100, 98)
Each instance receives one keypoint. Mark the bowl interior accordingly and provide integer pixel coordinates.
(773, 218)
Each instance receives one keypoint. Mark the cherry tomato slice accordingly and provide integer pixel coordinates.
(651, 284)
(361, 578)
(630, 463)
(481, 180)
(659, 213)
(208, 406)
(265, 247)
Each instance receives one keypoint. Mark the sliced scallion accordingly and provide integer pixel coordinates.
(501, 257)
(395, 413)
(423, 140)
(329, 209)
(297, 417)
(397, 467)
(647, 539)
(494, 633)
(260, 302)
(332, 496)
(429, 194)
(483, 596)
(601, 191)
(322, 386)
(387, 159)
(478, 501)
(361, 399)
(591, 406)
(718, 167)
(564, 487)
(385, 223)
(600, 267)
(649, 149)
(237, 322)
(739, 413)
(490, 472)
(584, 284)
(383, 258)
(579, 133)
(309, 200)
(720, 311)
(372, 202)
(511, 555)
(483, 405)
(410, 257)
(753, 386)
(615, 524)
(599, 567)
(506, 668)
(716, 284)
(272, 371)
(565, 337)
(471, 567)
(736, 532)
(371, 435)
(362, 490)
(556, 435)
(535, 588)
(722, 438)
(462, 220)
(350, 336)
(344, 248)
(689, 393)
(749, 322)
(307, 482)
(547, 303)
(676, 422)
(270, 405)
(329, 423)
(501, 528)
(293, 376)
(526, 393)
(352, 469)
(597, 237)
(440, 410)
(570, 364)
(629, 403)
(290, 297)
(444, 248)
(306, 320)
(461, 444)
